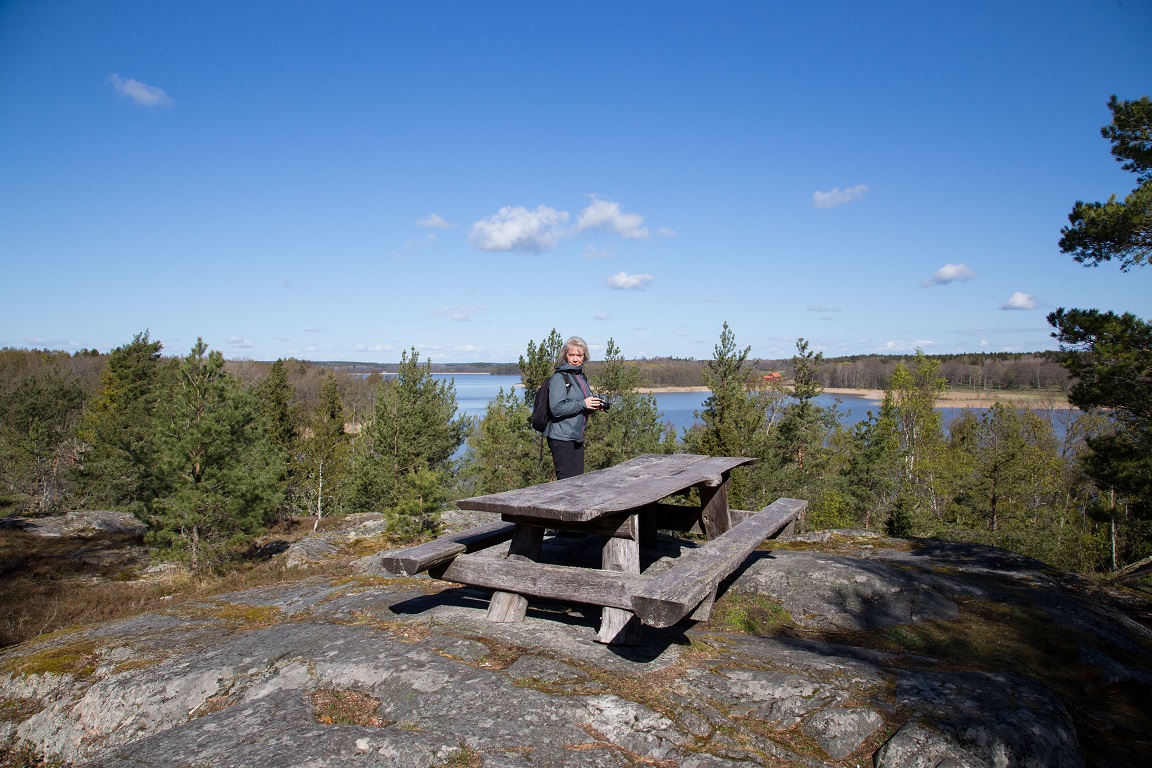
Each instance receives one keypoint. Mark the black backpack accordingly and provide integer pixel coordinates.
(540, 413)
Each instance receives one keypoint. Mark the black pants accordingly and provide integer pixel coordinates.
(567, 457)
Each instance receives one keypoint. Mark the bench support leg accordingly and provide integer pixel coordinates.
(617, 626)
(509, 606)
(714, 512)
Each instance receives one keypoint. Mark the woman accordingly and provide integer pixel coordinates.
(570, 400)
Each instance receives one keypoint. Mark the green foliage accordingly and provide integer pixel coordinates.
(735, 415)
(218, 475)
(631, 426)
(277, 422)
(415, 429)
(1013, 468)
(909, 412)
(872, 473)
(539, 364)
(321, 459)
(504, 452)
(802, 429)
(729, 416)
(1100, 232)
(417, 508)
(38, 422)
(117, 470)
(274, 395)
(807, 450)
(1111, 357)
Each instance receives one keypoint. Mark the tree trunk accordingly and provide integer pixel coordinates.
(319, 496)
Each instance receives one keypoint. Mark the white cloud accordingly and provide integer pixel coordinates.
(667, 232)
(838, 197)
(606, 215)
(519, 229)
(459, 313)
(984, 343)
(822, 308)
(624, 282)
(373, 347)
(950, 273)
(141, 93)
(240, 342)
(434, 221)
(602, 316)
(1020, 300)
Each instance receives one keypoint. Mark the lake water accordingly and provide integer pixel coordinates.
(475, 390)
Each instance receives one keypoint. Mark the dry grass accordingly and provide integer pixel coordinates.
(50, 584)
(345, 706)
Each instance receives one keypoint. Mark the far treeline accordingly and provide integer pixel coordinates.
(209, 453)
(985, 371)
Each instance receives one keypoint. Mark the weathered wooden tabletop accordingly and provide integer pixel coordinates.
(622, 488)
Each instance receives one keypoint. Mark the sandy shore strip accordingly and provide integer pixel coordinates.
(947, 399)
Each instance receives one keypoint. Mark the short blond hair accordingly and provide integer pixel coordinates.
(574, 341)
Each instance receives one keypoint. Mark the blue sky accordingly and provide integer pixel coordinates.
(346, 180)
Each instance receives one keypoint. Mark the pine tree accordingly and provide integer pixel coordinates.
(732, 422)
(322, 456)
(735, 420)
(38, 422)
(214, 460)
(504, 452)
(273, 396)
(1110, 354)
(414, 429)
(873, 469)
(539, 364)
(803, 427)
(631, 426)
(118, 467)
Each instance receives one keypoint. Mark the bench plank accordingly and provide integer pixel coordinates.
(554, 582)
(625, 487)
(673, 594)
(413, 560)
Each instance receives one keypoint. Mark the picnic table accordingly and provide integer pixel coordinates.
(626, 504)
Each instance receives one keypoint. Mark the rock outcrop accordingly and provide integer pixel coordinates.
(838, 649)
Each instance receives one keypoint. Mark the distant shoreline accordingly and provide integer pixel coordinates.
(949, 398)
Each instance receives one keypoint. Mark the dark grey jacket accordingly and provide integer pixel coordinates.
(566, 404)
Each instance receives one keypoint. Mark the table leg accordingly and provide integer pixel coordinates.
(617, 626)
(715, 516)
(716, 519)
(509, 606)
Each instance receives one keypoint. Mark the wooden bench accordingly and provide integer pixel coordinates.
(627, 505)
